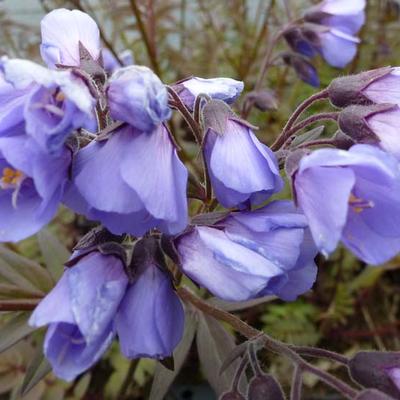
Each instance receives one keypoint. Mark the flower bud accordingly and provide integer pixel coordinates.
(379, 370)
(353, 89)
(303, 68)
(137, 96)
(233, 395)
(264, 387)
(372, 394)
(375, 124)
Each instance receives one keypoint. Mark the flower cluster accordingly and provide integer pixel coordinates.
(327, 29)
(95, 137)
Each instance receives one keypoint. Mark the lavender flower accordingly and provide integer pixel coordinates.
(225, 89)
(111, 64)
(376, 124)
(31, 186)
(94, 300)
(329, 31)
(353, 196)
(62, 31)
(54, 102)
(242, 170)
(132, 182)
(137, 96)
(251, 254)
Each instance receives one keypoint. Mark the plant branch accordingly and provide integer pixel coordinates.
(320, 353)
(297, 383)
(270, 343)
(286, 134)
(144, 34)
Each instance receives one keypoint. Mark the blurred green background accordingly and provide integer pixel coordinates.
(352, 306)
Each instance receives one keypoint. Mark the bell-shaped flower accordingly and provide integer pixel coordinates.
(225, 89)
(353, 196)
(62, 32)
(251, 254)
(132, 182)
(242, 170)
(376, 124)
(12, 104)
(137, 96)
(150, 319)
(31, 186)
(346, 16)
(58, 102)
(80, 311)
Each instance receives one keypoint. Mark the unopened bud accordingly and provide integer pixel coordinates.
(234, 395)
(375, 369)
(303, 68)
(264, 387)
(349, 90)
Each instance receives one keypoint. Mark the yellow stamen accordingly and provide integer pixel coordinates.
(60, 96)
(11, 177)
(358, 205)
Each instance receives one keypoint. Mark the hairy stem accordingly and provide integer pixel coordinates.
(145, 36)
(270, 343)
(297, 383)
(286, 134)
(320, 353)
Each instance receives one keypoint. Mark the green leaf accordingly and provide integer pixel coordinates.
(23, 272)
(310, 135)
(14, 330)
(214, 345)
(55, 254)
(163, 377)
(36, 371)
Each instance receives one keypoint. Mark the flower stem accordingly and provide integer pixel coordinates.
(286, 134)
(18, 305)
(320, 353)
(297, 383)
(270, 343)
(323, 94)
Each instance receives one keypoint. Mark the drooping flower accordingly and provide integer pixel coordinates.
(379, 86)
(242, 170)
(225, 89)
(137, 96)
(12, 104)
(250, 254)
(132, 182)
(56, 103)
(329, 30)
(151, 305)
(31, 186)
(62, 31)
(375, 124)
(353, 196)
(94, 301)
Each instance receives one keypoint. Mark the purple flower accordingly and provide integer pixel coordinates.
(376, 124)
(12, 103)
(94, 300)
(150, 319)
(62, 31)
(394, 374)
(250, 254)
(111, 64)
(225, 89)
(242, 170)
(31, 186)
(329, 30)
(346, 16)
(132, 182)
(353, 196)
(55, 104)
(303, 68)
(137, 96)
